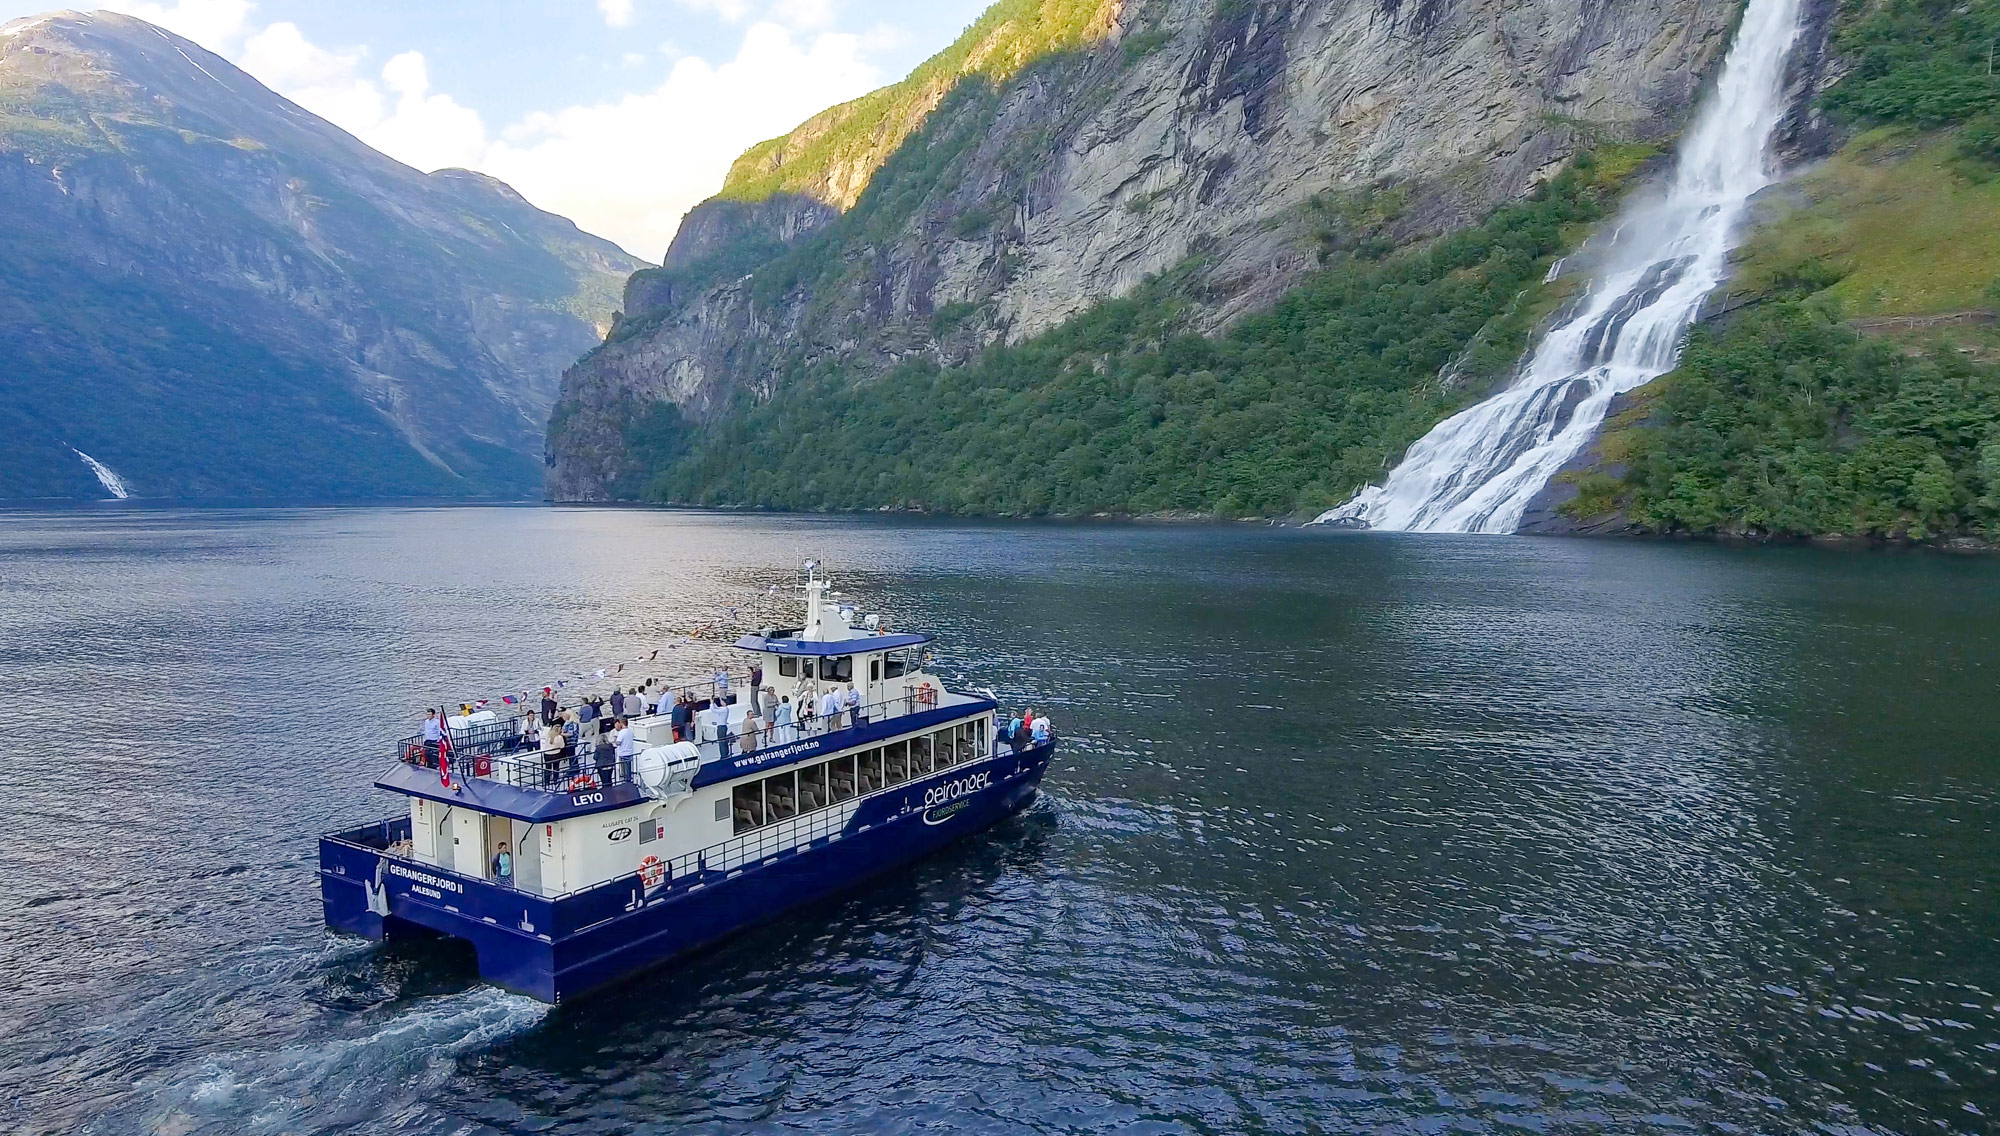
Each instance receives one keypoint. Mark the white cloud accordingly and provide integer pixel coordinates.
(617, 13)
(629, 169)
(731, 11)
(624, 168)
(217, 25)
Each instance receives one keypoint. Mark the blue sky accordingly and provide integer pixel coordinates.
(618, 113)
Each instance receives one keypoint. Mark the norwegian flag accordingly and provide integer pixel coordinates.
(444, 752)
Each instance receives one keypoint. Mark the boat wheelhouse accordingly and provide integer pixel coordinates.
(724, 816)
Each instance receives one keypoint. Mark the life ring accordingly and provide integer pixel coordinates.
(927, 695)
(581, 782)
(413, 753)
(482, 766)
(651, 871)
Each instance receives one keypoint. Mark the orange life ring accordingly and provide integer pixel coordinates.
(482, 766)
(651, 871)
(582, 781)
(927, 695)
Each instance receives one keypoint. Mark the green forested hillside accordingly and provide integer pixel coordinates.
(1120, 409)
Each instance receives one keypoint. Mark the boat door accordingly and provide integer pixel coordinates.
(468, 842)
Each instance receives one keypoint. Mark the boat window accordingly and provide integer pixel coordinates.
(874, 668)
(840, 668)
(896, 660)
(812, 788)
(812, 668)
(872, 776)
(840, 778)
(923, 755)
(981, 744)
(896, 763)
(749, 804)
(788, 666)
(781, 793)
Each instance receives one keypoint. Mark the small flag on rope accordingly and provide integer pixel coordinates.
(508, 699)
(654, 655)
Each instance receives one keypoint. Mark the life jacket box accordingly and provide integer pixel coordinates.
(657, 730)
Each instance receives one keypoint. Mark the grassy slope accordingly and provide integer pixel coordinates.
(832, 155)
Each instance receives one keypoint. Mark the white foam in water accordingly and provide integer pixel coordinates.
(330, 1085)
(1477, 471)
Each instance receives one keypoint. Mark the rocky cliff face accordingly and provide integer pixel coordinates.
(213, 292)
(1220, 141)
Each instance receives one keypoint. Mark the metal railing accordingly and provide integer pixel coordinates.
(499, 751)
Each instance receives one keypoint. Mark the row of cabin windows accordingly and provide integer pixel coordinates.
(840, 668)
(785, 795)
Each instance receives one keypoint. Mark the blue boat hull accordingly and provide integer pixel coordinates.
(556, 949)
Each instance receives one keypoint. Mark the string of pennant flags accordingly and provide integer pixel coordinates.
(714, 629)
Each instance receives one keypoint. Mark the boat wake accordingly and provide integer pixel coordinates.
(334, 1084)
(1477, 471)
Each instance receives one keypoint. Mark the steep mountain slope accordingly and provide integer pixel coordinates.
(1236, 147)
(213, 292)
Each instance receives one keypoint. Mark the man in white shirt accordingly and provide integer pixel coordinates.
(433, 734)
(628, 746)
(853, 701)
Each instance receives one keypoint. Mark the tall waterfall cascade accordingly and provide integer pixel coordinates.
(113, 484)
(1477, 470)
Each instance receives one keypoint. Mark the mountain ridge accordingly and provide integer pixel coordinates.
(182, 245)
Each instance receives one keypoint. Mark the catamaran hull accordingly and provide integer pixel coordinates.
(557, 949)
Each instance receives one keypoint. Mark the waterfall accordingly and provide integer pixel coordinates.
(113, 484)
(1477, 470)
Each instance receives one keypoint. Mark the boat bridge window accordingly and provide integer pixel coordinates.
(837, 668)
(788, 666)
(895, 663)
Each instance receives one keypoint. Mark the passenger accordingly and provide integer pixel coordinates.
(530, 735)
(808, 719)
(756, 676)
(829, 710)
(1042, 731)
(552, 752)
(503, 865)
(1028, 720)
(617, 703)
(433, 734)
(753, 732)
(783, 724)
(626, 747)
(681, 714)
(548, 706)
(586, 718)
(854, 715)
(1017, 734)
(767, 703)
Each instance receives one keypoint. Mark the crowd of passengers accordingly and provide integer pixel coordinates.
(594, 740)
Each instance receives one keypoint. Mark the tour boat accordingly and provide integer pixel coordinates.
(615, 866)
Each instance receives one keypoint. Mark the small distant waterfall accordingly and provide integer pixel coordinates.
(1477, 471)
(113, 484)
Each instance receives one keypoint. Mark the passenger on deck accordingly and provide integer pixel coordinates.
(681, 714)
(756, 676)
(552, 751)
(808, 718)
(783, 724)
(617, 703)
(433, 734)
(586, 718)
(767, 703)
(531, 736)
(829, 710)
(753, 731)
(1041, 731)
(853, 700)
(626, 747)
(503, 865)
(548, 706)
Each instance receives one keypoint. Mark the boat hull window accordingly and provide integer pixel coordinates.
(781, 795)
(923, 756)
(840, 778)
(813, 792)
(749, 805)
(896, 763)
(872, 775)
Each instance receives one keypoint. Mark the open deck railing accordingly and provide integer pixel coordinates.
(498, 751)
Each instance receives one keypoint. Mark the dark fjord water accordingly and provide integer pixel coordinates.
(1353, 833)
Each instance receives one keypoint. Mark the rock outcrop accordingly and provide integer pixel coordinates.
(213, 292)
(1194, 137)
